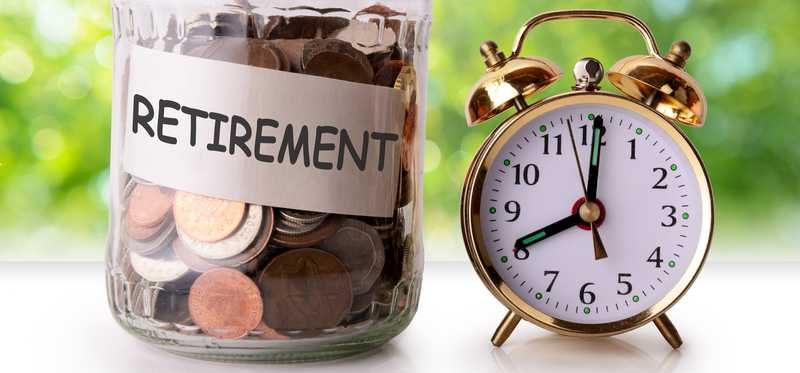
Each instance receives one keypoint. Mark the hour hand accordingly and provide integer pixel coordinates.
(548, 231)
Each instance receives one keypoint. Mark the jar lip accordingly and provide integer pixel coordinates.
(414, 9)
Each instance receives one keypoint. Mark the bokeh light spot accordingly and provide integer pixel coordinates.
(47, 143)
(433, 156)
(74, 82)
(15, 66)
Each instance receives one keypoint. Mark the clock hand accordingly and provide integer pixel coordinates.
(548, 231)
(588, 206)
(594, 158)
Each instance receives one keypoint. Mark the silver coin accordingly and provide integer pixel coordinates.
(164, 267)
(233, 244)
(289, 227)
(302, 217)
(157, 243)
(361, 250)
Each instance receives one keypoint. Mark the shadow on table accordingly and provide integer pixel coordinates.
(567, 354)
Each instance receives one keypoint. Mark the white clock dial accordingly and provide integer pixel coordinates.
(651, 227)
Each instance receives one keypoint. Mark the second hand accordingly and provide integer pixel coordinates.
(599, 248)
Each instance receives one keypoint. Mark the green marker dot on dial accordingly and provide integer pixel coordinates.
(492, 210)
(538, 295)
(506, 162)
(586, 310)
(504, 259)
(591, 116)
(542, 128)
(635, 298)
(685, 215)
(671, 264)
(673, 167)
(639, 131)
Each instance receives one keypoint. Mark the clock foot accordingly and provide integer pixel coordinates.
(507, 326)
(668, 330)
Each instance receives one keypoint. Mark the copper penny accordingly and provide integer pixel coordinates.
(149, 205)
(207, 219)
(265, 332)
(305, 289)
(332, 58)
(225, 303)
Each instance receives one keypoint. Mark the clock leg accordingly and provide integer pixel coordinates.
(507, 326)
(668, 330)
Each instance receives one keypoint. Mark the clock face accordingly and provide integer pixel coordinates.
(652, 199)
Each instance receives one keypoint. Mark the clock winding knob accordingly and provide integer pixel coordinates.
(679, 52)
(588, 72)
(491, 54)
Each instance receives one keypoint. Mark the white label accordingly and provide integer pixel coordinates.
(262, 136)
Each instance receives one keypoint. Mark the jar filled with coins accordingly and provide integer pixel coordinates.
(266, 175)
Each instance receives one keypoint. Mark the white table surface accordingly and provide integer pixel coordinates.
(736, 318)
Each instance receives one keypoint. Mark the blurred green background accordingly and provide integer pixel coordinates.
(55, 90)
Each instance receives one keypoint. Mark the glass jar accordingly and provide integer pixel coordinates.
(266, 175)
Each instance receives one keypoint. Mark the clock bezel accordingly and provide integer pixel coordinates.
(477, 250)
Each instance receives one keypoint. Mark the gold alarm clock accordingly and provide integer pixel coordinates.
(588, 213)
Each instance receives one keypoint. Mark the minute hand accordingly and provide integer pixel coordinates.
(548, 231)
(594, 160)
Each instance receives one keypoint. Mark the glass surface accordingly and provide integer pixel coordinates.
(223, 279)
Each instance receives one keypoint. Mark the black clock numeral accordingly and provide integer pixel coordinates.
(621, 280)
(585, 135)
(528, 174)
(658, 184)
(655, 257)
(585, 293)
(633, 148)
(670, 216)
(512, 207)
(552, 280)
(521, 253)
(546, 139)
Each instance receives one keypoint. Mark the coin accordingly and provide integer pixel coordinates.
(193, 261)
(293, 50)
(257, 245)
(265, 332)
(149, 205)
(292, 237)
(305, 289)
(387, 74)
(225, 303)
(336, 59)
(253, 52)
(302, 27)
(360, 248)
(153, 244)
(205, 218)
(232, 245)
(164, 267)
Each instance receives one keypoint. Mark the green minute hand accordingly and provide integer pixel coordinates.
(548, 231)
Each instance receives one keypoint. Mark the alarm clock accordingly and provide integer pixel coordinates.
(588, 213)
